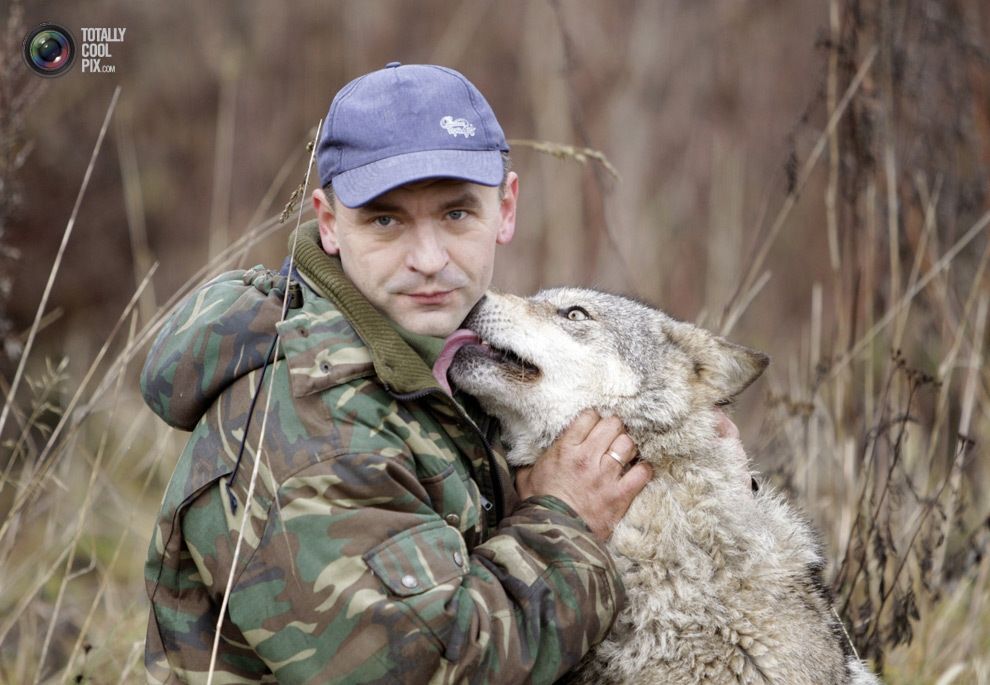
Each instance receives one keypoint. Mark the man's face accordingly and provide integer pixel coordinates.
(423, 253)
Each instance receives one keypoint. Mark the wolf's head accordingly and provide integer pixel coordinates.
(535, 363)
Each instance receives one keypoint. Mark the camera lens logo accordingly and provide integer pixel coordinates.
(49, 50)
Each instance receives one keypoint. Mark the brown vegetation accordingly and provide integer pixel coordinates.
(810, 178)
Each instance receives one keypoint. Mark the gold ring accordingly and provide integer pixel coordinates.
(615, 455)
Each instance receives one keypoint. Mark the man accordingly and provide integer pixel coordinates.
(385, 540)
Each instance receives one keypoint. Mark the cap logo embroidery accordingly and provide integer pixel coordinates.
(457, 127)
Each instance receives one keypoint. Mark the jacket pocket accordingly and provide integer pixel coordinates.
(419, 559)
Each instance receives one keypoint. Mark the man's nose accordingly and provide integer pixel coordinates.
(427, 254)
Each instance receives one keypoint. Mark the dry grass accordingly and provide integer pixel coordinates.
(18, 92)
(865, 274)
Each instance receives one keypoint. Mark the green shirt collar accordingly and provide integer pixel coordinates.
(427, 347)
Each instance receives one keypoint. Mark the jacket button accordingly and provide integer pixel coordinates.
(458, 559)
(452, 519)
(410, 581)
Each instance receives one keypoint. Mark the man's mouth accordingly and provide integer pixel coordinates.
(435, 297)
(466, 338)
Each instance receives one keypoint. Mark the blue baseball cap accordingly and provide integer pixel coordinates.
(406, 123)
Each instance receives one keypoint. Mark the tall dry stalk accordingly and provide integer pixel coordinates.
(12, 394)
(885, 381)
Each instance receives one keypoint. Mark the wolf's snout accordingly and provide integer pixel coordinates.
(474, 312)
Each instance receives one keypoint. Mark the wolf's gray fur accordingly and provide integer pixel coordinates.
(724, 585)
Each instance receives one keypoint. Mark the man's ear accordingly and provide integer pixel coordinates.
(507, 209)
(327, 219)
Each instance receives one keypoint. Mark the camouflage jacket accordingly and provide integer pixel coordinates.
(385, 542)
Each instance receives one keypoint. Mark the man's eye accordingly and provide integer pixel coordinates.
(576, 313)
(384, 221)
(456, 214)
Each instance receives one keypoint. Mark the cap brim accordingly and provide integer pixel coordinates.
(359, 185)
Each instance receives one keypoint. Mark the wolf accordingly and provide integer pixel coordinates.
(724, 584)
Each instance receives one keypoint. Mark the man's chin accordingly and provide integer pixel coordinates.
(438, 324)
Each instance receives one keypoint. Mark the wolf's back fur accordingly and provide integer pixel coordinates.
(724, 585)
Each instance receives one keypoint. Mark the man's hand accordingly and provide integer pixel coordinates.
(588, 468)
(728, 431)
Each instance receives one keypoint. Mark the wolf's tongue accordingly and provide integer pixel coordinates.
(454, 342)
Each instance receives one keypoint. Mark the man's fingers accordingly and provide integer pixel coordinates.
(726, 429)
(602, 435)
(619, 453)
(577, 432)
(636, 478)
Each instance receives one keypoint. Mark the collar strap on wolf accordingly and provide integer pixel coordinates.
(399, 367)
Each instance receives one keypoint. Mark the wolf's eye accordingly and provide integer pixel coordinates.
(576, 313)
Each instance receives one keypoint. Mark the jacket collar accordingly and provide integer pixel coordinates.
(397, 364)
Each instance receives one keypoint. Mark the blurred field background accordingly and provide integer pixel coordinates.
(809, 177)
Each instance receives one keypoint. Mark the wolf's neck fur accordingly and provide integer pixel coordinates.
(526, 441)
(657, 443)
(698, 480)
(696, 474)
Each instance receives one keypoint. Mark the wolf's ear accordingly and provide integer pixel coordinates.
(730, 368)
